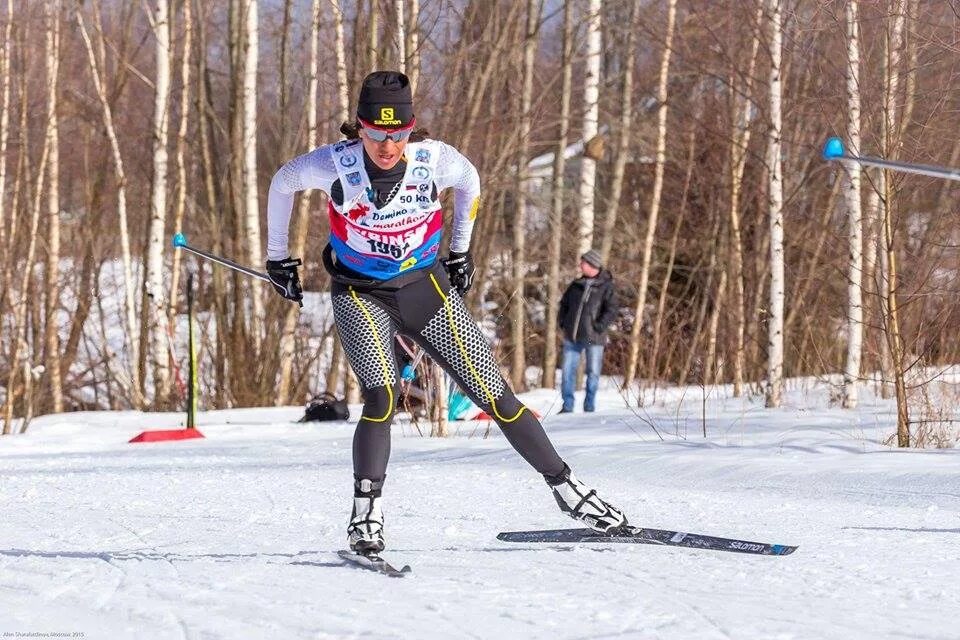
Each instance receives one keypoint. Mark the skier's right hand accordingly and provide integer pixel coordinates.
(461, 270)
(284, 278)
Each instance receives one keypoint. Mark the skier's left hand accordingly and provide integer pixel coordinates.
(461, 270)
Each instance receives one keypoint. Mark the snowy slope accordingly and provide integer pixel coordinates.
(235, 536)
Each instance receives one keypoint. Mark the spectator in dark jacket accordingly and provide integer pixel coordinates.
(587, 310)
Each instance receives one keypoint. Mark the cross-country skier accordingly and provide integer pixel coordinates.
(386, 222)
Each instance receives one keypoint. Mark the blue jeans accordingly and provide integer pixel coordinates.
(571, 360)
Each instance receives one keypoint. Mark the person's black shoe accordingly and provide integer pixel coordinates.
(565, 410)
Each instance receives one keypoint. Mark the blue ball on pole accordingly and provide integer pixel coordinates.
(179, 240)
(833, 149)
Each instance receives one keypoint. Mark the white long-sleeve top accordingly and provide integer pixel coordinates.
(379, 241)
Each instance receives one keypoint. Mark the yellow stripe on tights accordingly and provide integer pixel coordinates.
(466, 356)
(383, 359)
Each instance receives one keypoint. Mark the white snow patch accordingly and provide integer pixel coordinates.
(235, 536)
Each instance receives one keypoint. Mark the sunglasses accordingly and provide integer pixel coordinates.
(378, 135)
(381, 135)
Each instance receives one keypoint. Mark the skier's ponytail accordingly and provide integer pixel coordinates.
(351, 130)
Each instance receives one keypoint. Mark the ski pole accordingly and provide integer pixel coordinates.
(410, 369)
(180, 242)
(834, 150)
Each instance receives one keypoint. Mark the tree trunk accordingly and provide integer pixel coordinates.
(740, 142)
(287, 341)
(558, 183)
(251, 56)
(51, 336)
(340, 57)
(774, 391)
(647, 254)
(518, 323)
(373, 35)
(5, 70)
(181, 201)
(626, 126)
(21, 182)
(214, 208)
(337, 371)
(155, 309)
(851, 196)
(283, 88)
(440, 406)
(891, 144)
(871, 275)
(591, 115)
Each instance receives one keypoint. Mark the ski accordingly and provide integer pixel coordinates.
(373, 563)
(640, 535)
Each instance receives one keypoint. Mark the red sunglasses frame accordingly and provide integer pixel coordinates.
(402, 133)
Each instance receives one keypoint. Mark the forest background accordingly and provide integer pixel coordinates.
(681, 139)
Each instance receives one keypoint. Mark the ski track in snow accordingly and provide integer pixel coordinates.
(235, 536)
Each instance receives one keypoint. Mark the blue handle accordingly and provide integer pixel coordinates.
(833, 149)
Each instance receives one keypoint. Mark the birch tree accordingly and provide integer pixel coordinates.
(591, 119)
(251, 57)
(180, 156)
(777, 293)
(647, 253)
(154, 306)
(851, 196)
(558, 183)
(51, 336)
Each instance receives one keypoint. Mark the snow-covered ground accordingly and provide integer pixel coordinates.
(235, 536)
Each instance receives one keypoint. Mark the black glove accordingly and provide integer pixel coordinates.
(283, 276)
(460, 268)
